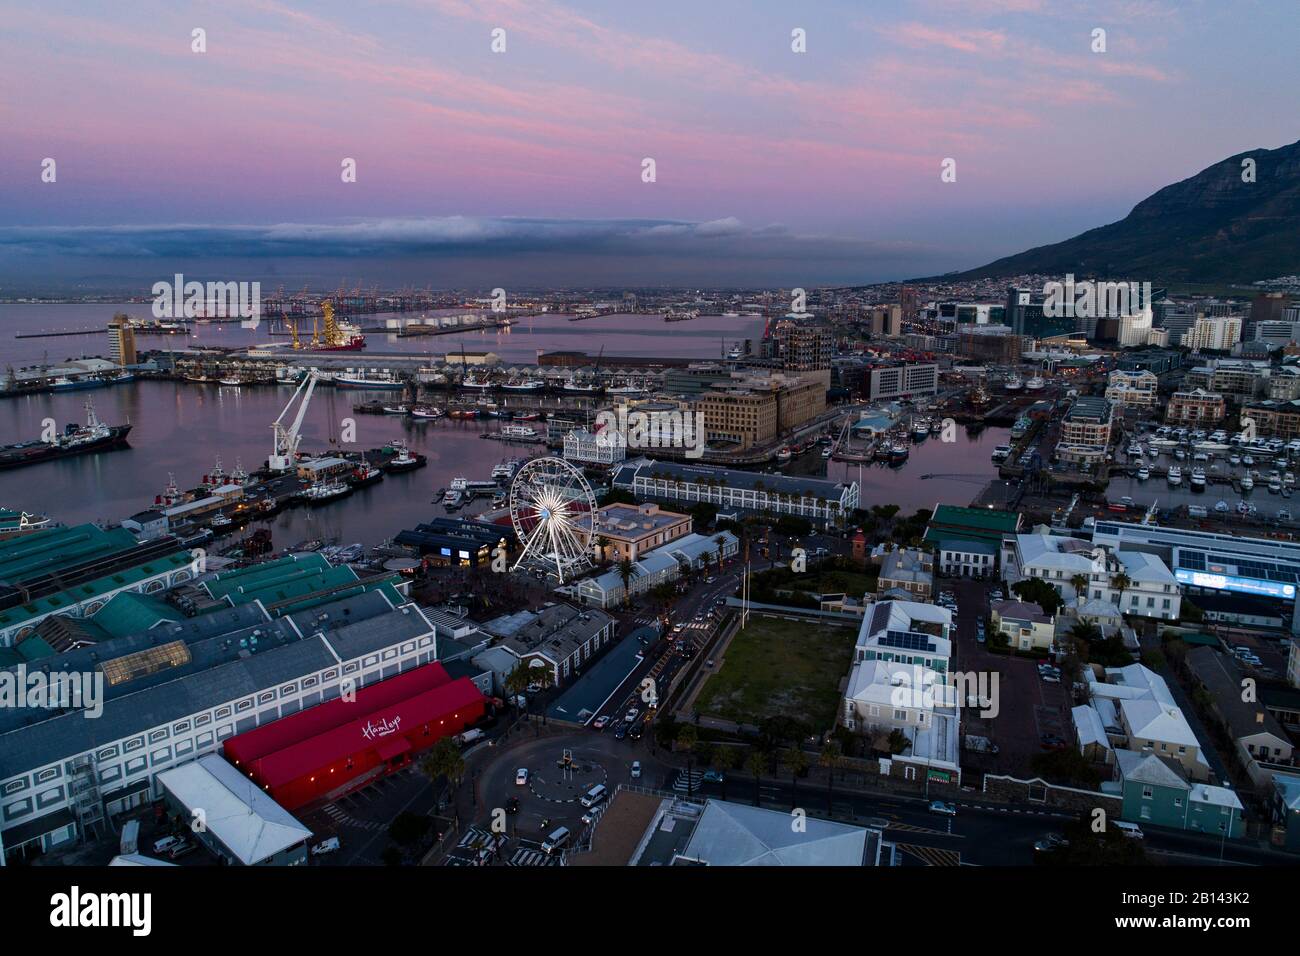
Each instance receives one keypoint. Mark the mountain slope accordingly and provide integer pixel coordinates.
(1211, 227)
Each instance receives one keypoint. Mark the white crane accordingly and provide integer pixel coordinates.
(286, 439)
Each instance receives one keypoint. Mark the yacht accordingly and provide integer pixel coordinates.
(1247, 460)
(1035, 384)
(1013, 384)
(827, 451)
(1222, 507)
(1274, 484)
(1179, 454)
(784, 455)
(453, 499)
(426, 412)
(1175, 476)
(1283, 515)
(220, 520)
(1001, 453)
(373, 380)
(1143, 472)
(1198, 479)
(1234, 460)
(735, 354)
(518, 433)
(1247, 482)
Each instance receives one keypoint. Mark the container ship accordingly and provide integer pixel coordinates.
(75, 440)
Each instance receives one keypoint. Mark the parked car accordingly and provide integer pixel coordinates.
(712, 776)
(636, 770)
(635, 731)
(1053, 742)
(521, 777)
(600, 723)
(330, 845)
(181, 849)
(947, 809)
(631, 715)
(165, 844)
(620, 731)
(1053, 841)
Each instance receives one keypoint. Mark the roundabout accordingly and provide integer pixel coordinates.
(558, 782)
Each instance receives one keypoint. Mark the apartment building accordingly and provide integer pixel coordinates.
(1132, 389)
(1085, 431)
(1196, 405)
(756, 409)
(1080, 569)
(1217, 333)
(902, 380)
(1138, 713)
(1237, 378)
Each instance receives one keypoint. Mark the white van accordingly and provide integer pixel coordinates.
(594, 796)
(1130, 830)
(558, 838)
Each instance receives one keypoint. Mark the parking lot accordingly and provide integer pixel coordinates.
(1028, 707)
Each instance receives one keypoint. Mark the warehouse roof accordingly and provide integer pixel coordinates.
(246, 821)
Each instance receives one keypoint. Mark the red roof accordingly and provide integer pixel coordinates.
(282, 733)
(379, 729)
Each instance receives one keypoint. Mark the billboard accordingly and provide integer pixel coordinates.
(1230, 582)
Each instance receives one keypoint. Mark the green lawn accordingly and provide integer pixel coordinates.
(776, 666)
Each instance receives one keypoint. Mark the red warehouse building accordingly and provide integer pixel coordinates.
(310, 755)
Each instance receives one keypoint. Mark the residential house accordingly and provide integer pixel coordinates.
(1258, 740)
(1155, 791)
(910, 570)
(1025, 624)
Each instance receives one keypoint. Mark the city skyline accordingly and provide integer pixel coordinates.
(525, 166)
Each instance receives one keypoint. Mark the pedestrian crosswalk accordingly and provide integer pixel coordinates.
(336, 814)
(526, 857)
(931, 855)
(688, 782)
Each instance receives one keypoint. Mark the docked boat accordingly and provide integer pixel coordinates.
(1020, 427)
(898, 452)
(827, 452)
(75, 440)
(1197, 480)
(365, 475)
(1221, 507)
(220, 520)
(1234, 460)
(453, 500)
(936, 425)
(1143, 472)
(524, 385)
(518, 433)
(231, 382)
(403, 460)
(14, 523)
(681, 315)
(921, 428)
(1248, 460)
(463, 413)
(1274, 484)
(1001, 453)
(1247, 482)
(784, 455)
(323, 492)
(625, 390)
(395, 409)
(506, 470)
(1175, 477)
(573, 386)
(476, 383)
(1283, 514)
(527, 416)
(1035, 384)
(735, 354)
(383, 382)
(426, 413)
(1013, 384)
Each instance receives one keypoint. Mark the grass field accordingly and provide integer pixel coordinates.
(776, 666)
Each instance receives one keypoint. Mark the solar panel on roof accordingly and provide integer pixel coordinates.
(908, 641)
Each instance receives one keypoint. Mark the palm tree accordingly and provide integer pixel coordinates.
(756, 764)
(725, 759)
(687, 738)
(626, 572)
(602, 542)
(831, 757)
(444, 759)
(1080, 584)
(721, 541)
(1121, 582)
(796, 761)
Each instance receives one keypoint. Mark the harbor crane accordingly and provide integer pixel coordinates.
(286, 439)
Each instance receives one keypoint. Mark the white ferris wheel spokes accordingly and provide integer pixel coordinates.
(553, 511)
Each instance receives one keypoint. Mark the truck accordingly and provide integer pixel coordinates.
(130, 837)
(470, 737)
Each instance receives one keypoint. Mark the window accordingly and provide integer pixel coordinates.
(1147, 793)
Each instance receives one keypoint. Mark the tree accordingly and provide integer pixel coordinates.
(626, 572)
(725, 759)
(1121, 582)
(444, 759)
(898, 741)
(796, 761)
(756, 763)
(830, 758)
(1080, 584)
(602, 543)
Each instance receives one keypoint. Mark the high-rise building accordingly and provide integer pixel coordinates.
(803, 347)
(1218, 333)
(1024, 313)
(121, 340)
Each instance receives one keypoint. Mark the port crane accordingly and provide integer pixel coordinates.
(286, 439)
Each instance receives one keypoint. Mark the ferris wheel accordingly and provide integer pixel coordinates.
(554, 514)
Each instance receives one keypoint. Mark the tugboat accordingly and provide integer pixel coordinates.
(365, 475)
(220, 521)
(921, 428)
(75, 440)
(898, 453)
(404, 460)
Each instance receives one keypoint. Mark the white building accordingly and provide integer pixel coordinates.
(607, 590)
(1132, 389)
(1217, 332)
(1151, 591)
(605, 447)
(905, 632)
